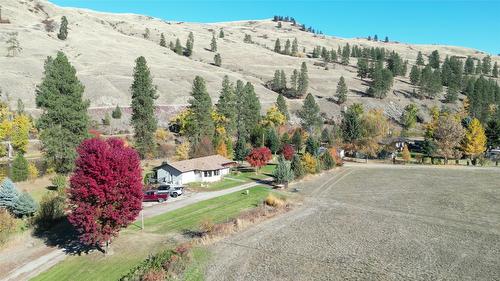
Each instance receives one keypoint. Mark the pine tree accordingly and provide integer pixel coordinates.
(143, 116)
(451, 94)
(494, 72)
(217, 60)
(282, 80)
(469, 66)
(341, 91)
(226, 105)
(282, 106)
(474, 143)
(189, 45)
(202, 124)
(312, 146)
(309, 114)
(420, 59)
(351, 125)
(63, 30)
(363, 69)
(221, 33)
(178, 47)
(287, 47)
(213, 44)
(272, 140)
(382, 82)
(117, 113)
(327, 161)
(414, 75)
(297, 167)
(375, 38)
(8, 194)
(492, 132)
(163, 42)
(24, 205)
(283, 174)
(386, 40)
(302, 80)
(64, 121)
(434, 60)
(486, 67)
(345, 55)
(295, 47)
(240, 150)
(430, 82)
(277, 46)
(276, 84)
(294, 80)
(297, 139)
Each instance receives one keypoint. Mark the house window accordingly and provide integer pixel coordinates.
(207, 174)
(217, 172)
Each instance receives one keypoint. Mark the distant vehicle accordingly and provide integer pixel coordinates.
(173, 191)
(154, 195)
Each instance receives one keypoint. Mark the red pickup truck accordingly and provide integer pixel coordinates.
(154, 195)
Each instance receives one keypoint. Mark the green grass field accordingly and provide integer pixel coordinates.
(135, 245)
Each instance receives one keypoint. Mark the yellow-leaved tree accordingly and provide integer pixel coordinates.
(221, 148)
(406, 154)
(310, 163)
(474, 143)
(182, 151)
(273, 117)
(21, 126)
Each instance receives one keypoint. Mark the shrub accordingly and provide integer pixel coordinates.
(24, 205)
(274, 201)
(8, 194)
(116, 113)
(51, 209)
(33, 172)
(19, 168)
(59, 182)
(206, 226)
(406, 154)
(338, 161)
(297, 167)
(310, 163)
(327, 161)
(288, 151)
(154, 274)
(7, 225)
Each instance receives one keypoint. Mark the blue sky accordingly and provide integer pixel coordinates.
(474, 24)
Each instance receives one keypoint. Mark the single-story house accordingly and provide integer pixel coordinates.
(204, 169)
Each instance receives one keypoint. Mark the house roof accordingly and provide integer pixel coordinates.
(208, 163)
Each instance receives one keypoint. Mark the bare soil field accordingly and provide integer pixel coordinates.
(375, 224)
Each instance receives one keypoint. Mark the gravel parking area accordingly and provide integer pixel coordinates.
(375, 224)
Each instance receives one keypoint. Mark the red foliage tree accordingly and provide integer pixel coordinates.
(288, 151)
(106, 190)
(259, 157)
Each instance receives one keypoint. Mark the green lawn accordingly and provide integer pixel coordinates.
(135, 245)
(196, 268)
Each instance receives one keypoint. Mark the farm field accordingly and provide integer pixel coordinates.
(407, 223)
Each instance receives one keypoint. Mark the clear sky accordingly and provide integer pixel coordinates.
(474, 24)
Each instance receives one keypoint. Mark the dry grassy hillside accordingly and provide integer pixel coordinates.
(103, 47)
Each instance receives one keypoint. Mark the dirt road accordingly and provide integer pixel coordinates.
(376, 223)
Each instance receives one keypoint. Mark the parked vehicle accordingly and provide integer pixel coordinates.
(172, 190)
(154, 195)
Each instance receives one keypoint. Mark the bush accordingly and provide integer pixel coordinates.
(310, 163)
(327, 161)
(7, 225)
(274, 201)
(33, 172)
(206, 226)
(116, 113)
(60, 182)
(8, 194)
(154, 274)
(51, 209)
(24, 205)
(20, 168)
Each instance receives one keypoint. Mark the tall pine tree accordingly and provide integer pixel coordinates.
(309, 115)
(227, 105)
(200, 105)
(341, 91)
(282, 107)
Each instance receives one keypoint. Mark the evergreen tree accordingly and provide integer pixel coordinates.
(227, 105)
(382, 82)
(221, 33)
(302, 80)
(248, 105)
(327, 161)
(63, 30)
(117, 113)
(363, 69)
(287, 47)
(202, 124)
(143, 116)
(430, 82)
(420, 59)
(283, 80)
(479, 67)
(312, 146)
(386, 40)
(171, 46)
(240, 150)
(295, 47)
(217, 60)
(277, 46)
(297, 167)
(283, 174)
(341, 91)
(351, 125)
(24, 205)
(297, 139)
(8, 194)
(178, 47)
(107, 120)
(492, 132)
(469, 66)
(395, 64)
(434, 60)
(486, 67)
(452, 94)
(272, 140)
(409, 116)
(163, 43)
(333, 56)
(64, 120)
(189, 45)
(19, 168)
(276, 84)
(414, 75)
(13, 45)
(309, 114)
(213, 44)
(294, 79)
(494, 72)
(375, 38)
(345, 55)
(282, 107)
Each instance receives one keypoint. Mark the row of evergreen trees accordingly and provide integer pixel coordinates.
(290, 49)
(299, 82)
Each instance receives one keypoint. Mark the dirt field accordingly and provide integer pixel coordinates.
(376, 224)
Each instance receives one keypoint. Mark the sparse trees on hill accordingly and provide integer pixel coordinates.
(178, 47)
(395, 64)
(189, 45)
(277, 46)
(363, 68)
(64, 121)
(248, 39)
(341, 91)
(382, 82)
(494, 72)
(106, 190)
(213, 44)
(287, 50)
(415, 75)
(143, 117)
(63, 30)
(302, 80)
(420, 59)
(163, 42)
(346, 53)
(409, 116)
(295, 47)
(221, 33)
(434, 60)
(217, 60)
(430, 82)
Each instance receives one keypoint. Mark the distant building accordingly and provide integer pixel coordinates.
(204, 169)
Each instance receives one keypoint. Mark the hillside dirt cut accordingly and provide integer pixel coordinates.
(401, 224)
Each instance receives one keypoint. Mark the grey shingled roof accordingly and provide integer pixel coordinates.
(213, 162)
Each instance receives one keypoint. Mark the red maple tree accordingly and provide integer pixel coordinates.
(259, 157)
(106, 190)
(288, 151)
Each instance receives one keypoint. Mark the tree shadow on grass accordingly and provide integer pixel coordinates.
(63, 235)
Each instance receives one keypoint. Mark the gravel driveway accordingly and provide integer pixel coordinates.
(375, 224)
